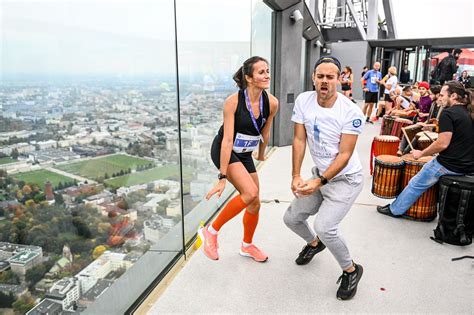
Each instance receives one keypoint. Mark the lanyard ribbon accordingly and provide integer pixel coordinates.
(249, 107)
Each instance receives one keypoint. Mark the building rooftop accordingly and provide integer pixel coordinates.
(23, 257)
(97, 289)
(404, 270)
(46, 306)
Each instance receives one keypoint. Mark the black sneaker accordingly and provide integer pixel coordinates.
(348, 287)
(308, 253)
(386, 210)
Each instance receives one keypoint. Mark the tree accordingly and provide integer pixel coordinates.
(8, 277)
(14, 154)
(6, 301)
(35, 274)
(58, 199)
(23, 304)
(60, 186)
(164, 203)
(99, 250)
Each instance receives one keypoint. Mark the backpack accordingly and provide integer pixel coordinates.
(456, 210)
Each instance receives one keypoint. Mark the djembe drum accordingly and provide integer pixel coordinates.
(387, 124)
(426, 138)
(398, 124)
(387, 176)
(424, 209)
(383, 145)
(412, 131)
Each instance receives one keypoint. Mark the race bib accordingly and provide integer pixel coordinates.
(373, 79)
(245, 143)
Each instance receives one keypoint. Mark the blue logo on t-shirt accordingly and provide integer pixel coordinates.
(316, 133)
(356, 123)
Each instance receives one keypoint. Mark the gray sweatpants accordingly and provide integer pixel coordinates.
(330, 204)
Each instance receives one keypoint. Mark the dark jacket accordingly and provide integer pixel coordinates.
(465, 81)
(445, 69)
(405, 76)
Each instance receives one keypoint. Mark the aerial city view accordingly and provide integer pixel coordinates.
(90, 179)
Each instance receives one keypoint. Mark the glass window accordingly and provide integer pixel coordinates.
(209, 54)
(89, 157)
(90, 144)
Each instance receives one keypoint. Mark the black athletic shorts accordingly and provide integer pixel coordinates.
(345, 87)
(371, 97)
(244, 158)
(387, 98)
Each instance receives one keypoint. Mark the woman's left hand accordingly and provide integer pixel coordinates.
(258, 156)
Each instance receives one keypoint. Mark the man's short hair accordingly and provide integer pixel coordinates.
(328, 59)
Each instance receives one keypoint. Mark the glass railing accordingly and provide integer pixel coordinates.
(105, 136)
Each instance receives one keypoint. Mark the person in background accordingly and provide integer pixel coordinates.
(405, 75)
(363, 81)
(465, 79)
(447, 67)
(424, 101)
(390, 85)
(403, 104)
(373, 78)
(346, 79)
(455, 145)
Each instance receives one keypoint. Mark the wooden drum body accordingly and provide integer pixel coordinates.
(424, 209)
(387, 176)
(398, 125)
(387, 125)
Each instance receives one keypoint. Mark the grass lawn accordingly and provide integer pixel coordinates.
(6, 160)
(41, 176)
(98, 167)
(162, 172)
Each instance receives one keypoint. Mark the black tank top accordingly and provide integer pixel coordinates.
(242, 120)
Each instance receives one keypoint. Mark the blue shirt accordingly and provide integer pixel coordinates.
(371, 76)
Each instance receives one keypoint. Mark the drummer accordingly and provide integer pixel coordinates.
(424, 102)
(431, 123)
(455, 145)
(403, 105)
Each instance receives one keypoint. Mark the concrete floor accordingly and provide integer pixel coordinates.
(404, 271)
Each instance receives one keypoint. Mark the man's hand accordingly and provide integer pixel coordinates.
(295, 184)
(308, 187)
(417, 154)
(365, 89)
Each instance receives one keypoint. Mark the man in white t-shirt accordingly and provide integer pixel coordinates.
(330, 123)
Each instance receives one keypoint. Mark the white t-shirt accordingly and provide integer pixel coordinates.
(325, 126)
(393, 81)
(404, 104)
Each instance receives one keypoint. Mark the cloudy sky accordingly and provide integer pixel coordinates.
(433, 18)
(137, 36)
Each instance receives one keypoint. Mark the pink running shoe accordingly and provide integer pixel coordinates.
(209, 243)
(253, 252)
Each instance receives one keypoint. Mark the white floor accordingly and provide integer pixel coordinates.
(404, 271)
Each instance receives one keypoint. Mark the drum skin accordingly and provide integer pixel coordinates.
(386, 145)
